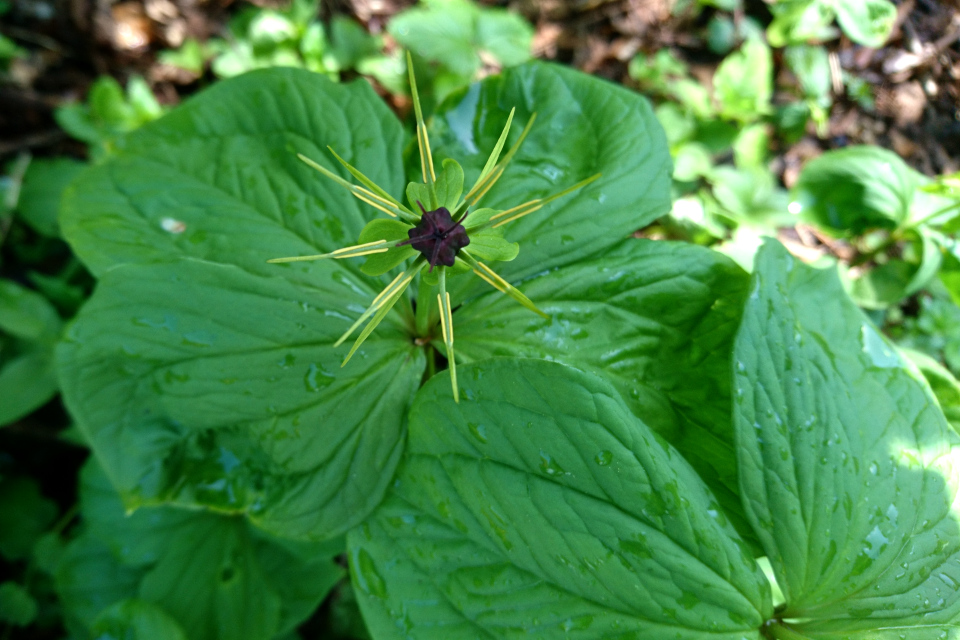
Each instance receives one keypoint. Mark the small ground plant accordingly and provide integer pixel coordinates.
(626, 463)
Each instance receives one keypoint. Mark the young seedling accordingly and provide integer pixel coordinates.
(444, 233)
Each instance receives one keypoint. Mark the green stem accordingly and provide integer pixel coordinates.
(426, 298)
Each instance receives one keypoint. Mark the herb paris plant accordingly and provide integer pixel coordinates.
(625, 489)
(440, 236)
(193, 346)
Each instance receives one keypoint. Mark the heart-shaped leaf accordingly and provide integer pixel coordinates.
(541, 505)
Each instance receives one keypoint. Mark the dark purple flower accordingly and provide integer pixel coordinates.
(437, 237)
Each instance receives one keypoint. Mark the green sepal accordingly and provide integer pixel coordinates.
(422, 193)
(489, 244)
(390, 230)
(449, 185)
(479, 217)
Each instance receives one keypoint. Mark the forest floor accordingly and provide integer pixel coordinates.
(915, 75)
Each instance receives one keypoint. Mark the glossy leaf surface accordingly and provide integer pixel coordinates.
(848, 468)
(657, 319)
(215, 381)
(584, 126)
(540, 504)
(855, 189)
(136, 620)
(218, 178)
(215, 575)
(207, 384)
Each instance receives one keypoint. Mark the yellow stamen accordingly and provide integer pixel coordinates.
(376, 198)
(443, 319)
(385, 294)
(382, 294)
(363, 253)
(517, 217)
(358, 246)
(484, 184)
(446, 326)
(426, 140)
(515, 209)
(491, 181)
(536, 204)
(489, 281)
(373, 204)
(502, 285)
(382, 305)
(423, 141)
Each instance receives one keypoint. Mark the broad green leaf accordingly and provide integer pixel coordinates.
(503, 35)
(88, 580)
(27, 377)
(24, 516)
(945, 387)
(454, 34)
(851, 190)
(692, 95)
(27, 315)
(540, 505)
(191, 56)
(901, 276)
(751, 197)
(218, 178)
(27, 382)
(691, 161)
(678, 125)
(657, 319)
(207, 384)
(866, 22)
(441, 32)
(724, 33)
(17, 607)
(743, 83)
(752, 146)
(811, 65)
(215, 575)
(350, 42)
(801, 21)
(584, 126)
(848, 468)
(43, 184)
(136, 620)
